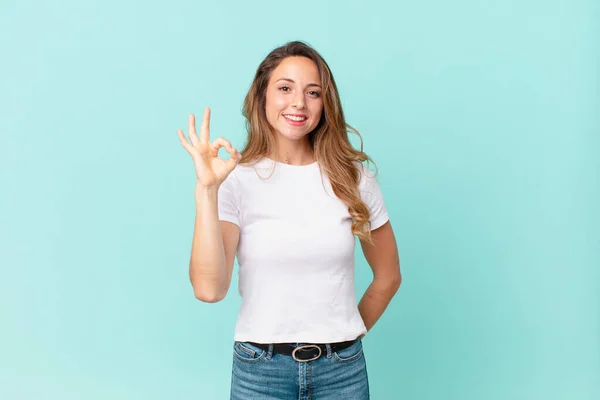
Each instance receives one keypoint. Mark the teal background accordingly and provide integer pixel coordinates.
(483, 118)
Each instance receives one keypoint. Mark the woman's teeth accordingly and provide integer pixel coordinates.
(297, 119)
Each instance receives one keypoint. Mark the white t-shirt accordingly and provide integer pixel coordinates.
(296, 252)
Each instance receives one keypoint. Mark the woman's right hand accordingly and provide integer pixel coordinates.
(210, 169)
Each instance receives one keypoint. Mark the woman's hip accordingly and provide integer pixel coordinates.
(260, 373)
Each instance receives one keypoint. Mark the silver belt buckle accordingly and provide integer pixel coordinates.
(304, 347)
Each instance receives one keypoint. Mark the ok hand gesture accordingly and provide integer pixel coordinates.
(210, 169)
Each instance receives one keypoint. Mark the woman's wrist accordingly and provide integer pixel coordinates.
(203, 191)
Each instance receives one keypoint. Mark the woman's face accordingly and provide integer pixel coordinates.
(293, 99)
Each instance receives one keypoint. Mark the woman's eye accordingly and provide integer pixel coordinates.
(284, 88)
(314, 93)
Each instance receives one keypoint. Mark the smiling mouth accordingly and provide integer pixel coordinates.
(294, 118)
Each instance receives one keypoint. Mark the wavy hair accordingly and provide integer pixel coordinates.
(329, 140)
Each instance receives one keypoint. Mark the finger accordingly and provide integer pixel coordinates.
(234, 155)
(205, 128)
(183, 140)
(220, 142)
(234, 159)
(192, 129)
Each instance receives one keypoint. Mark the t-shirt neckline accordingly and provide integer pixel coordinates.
(297, 167)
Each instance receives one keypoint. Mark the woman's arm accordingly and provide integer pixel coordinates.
(214, 242)
(383, 259)
(213, 248)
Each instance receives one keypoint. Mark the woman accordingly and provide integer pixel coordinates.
(289, 205)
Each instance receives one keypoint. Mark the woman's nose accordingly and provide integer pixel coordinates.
(299, 100)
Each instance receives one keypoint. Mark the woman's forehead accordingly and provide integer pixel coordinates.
(296, 69)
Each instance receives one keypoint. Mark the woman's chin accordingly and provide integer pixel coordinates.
(293, 134)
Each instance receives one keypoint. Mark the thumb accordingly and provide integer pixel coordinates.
(234, 159)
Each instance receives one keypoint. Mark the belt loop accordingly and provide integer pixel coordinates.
(270, 351)
(328, 346)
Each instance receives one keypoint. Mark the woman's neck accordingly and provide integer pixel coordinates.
(294, 154)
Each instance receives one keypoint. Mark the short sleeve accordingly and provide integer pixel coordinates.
(370, 193)
(228, 206)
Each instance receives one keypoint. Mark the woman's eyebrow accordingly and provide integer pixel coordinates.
(291, 80)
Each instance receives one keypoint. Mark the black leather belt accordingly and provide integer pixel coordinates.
(309, 352)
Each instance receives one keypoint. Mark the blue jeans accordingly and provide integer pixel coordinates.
(259, 374)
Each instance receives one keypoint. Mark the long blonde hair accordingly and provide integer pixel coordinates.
(333, 150)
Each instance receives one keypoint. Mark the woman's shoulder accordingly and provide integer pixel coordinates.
(367, 174)
(244, 172)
